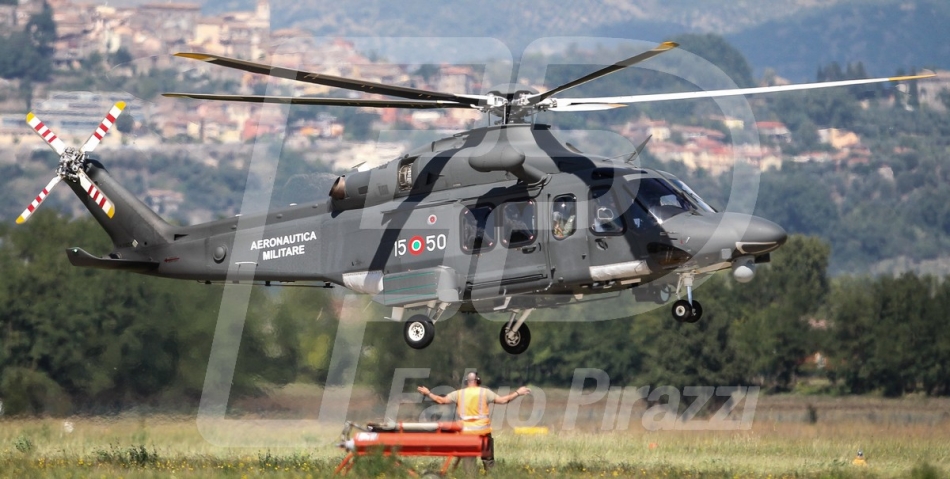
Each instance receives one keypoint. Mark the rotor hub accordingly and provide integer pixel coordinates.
(71, 162)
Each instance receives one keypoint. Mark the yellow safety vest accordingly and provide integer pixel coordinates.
(472, 408)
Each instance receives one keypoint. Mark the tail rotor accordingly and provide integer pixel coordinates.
(72, 162)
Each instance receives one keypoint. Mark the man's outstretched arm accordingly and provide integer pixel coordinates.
(522, 391)
(435, 397)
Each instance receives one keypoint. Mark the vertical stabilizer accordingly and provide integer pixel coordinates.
(133, 224)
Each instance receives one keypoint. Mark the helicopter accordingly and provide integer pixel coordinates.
(504, 218)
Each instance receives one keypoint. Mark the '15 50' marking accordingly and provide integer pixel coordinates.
(417, 244)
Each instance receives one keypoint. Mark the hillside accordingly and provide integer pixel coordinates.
(884, 36)
(791, 37)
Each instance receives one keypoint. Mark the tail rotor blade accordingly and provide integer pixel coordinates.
(36, 203)
(103, 128)
(96, 194)
(45, 133)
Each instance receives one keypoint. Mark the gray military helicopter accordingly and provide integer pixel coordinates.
(504, 218)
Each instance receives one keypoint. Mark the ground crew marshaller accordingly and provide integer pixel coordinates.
(472, 403)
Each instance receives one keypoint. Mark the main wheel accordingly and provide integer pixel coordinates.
(697, 313)
(682, 311)
(516, 342)
(419, 331)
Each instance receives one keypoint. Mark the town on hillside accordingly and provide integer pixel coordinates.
(142, 38)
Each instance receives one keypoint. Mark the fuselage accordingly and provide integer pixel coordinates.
(492, 214)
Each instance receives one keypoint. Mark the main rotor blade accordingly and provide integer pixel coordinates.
(663, 47)
(333, 81)
(103, 128)
(575, 104)
(295, 100)
(45, 133)
(36, 203)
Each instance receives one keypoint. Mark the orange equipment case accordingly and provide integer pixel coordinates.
(421, 439)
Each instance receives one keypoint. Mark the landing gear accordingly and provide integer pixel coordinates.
(419, 331)
(515, 342)
(515, 335)
(686, 310)
(682, 310)
(697, 312)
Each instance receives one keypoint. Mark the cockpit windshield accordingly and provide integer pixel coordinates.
(689, 193)
(658, 197)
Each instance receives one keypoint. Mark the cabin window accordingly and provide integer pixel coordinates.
(518, 219)
(563, 216)
(605, 217)
(477, 229)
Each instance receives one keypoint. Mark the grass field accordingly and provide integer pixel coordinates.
(901, 438)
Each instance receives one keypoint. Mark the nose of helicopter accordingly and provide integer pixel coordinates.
(760, 236)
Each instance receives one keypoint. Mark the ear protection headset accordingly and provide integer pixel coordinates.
(478, 379)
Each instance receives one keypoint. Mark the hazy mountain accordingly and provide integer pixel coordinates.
(885, 36)
(793, 37)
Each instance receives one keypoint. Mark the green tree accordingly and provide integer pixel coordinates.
(82, 339)
(814, 211)
(774, 331)
(700, 354)
(719, 52)
(889, 335)
(121, 56)
(124, 123)
(28, 54)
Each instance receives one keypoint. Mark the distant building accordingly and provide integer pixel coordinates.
(838, 139)
(645, 127)
(173, 22)
(17, 16)
(164, 202)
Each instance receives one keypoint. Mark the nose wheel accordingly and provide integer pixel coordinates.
(686, 312)
(419, 331)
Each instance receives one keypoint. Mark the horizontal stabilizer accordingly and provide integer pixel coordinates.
(79, 257)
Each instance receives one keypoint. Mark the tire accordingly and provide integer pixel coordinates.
(697, 313)
(518, 343)
(682, 311)
(430, 475)
(419, 331)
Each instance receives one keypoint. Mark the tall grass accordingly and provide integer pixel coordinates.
(895, 444)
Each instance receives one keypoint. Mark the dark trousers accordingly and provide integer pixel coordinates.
(488, 451)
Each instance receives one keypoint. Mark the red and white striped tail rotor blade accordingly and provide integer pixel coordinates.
(96, 194)
(45, 133)
(103, 128)
(36, 203)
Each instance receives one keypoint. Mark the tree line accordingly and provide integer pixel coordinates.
(81, 340)
(27, 53)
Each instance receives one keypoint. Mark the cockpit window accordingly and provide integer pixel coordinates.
(659, 198)
(690, 194)
(605, 218)
(477, 229)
